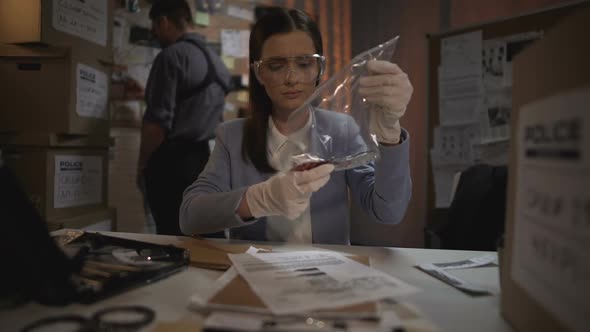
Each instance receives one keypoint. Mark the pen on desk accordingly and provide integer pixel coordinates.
(111, 266)
(97, 285)
(95, 272)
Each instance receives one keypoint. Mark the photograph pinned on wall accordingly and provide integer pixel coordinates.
(495, 116)
(493, 62)
(497, 55)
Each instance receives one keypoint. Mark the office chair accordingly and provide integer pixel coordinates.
(476, 216)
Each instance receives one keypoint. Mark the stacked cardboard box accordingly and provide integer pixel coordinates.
(54, 66)
(61, 182)
(544, 266)
(97, 221)
(55, 58)
(123, 192)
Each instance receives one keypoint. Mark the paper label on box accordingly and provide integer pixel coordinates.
(85, 19)
(91, 92)
(77, 180)
(551, 255)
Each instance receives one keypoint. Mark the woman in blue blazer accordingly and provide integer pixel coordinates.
(249, 188)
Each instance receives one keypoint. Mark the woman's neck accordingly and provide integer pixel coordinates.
(288, 123)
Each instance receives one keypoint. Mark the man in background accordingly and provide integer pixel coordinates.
(185, 95)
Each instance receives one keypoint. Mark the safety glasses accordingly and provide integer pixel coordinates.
(301, 68)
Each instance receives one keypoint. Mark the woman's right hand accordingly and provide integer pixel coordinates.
(284, 194)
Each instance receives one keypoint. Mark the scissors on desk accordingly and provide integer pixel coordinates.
(108, 319)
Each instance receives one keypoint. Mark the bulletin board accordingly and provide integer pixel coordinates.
(469, 98)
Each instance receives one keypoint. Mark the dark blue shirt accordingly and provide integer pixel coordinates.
(171, 96)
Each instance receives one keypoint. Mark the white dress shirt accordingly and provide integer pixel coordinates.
(280, 149)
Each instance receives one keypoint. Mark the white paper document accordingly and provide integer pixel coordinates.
(460, 92)
(91, 92)
(551, 250)
(479, 261)
(296, 282)
(454, 281)
(460, 50)
(461, 110)
(459, 81)
(438, 270)
(455, 142)
(85, 19)
(77, 180)
(444, 170)
(234, 43)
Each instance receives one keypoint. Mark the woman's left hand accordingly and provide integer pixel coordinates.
(388, 89)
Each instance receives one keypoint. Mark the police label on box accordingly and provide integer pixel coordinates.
(85, 19)
(77, 180)
(91, 93)
(551, 257)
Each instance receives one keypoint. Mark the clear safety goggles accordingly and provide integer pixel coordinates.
(301, 68)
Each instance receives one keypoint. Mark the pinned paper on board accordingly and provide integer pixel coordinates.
(474, 103)
(202, 18)
(229, 61)
(235, 43)
(462, 50)
(239, 12)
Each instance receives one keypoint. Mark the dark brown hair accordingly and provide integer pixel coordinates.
(276, 20)
(177, 11)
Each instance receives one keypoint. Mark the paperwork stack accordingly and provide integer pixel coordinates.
(306, 290)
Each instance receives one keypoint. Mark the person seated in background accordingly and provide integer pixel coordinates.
(248, 186)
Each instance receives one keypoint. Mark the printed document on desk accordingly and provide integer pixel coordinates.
(308, 280)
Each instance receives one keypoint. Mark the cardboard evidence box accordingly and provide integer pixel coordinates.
(61, 182)
(545, 265)
(103, 220)
(84, 24)
(54, 89)
(54, 139)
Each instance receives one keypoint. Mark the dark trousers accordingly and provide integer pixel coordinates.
(170, 170)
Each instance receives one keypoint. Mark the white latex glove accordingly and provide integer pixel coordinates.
(388, 91)
(288, 193)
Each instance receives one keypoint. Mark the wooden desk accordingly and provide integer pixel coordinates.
(448, 308)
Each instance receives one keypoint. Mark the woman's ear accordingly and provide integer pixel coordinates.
(252, 66)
